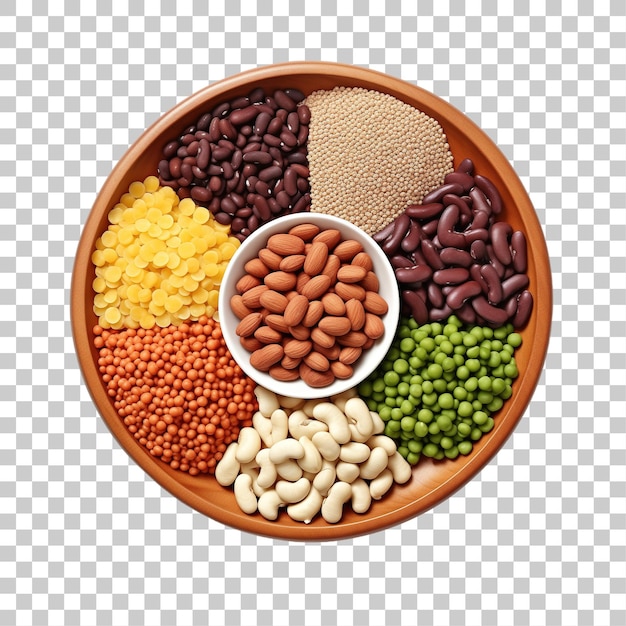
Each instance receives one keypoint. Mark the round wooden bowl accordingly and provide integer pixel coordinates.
(432, 481)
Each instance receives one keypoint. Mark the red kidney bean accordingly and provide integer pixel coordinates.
(257, 95)
(293, 122)
(458, 295)
(290, 179)
(500, 232)
(284, 101)
(253, 223)
(514, 284)
(475, 234)
(170, 149)
(227, 205)
(175, 164)
(424, 211)
(391, 245)
(466, 313)
(295, 94)
(445, 229)
(260, 203)
(223, 218)
(466, 166)
(431, 254)
(524, 309)
(460, 178)
(270, 173)
(288, 138)
(415, 274)
(303, 135)
(227, 129)
(479, 201)
(304, 114)
(443, 313)
(451, 276)
(164, 169)
(400, 261)
(519, 251)
(204, 121)
(227, 170)
(201, 194)
(478, 250)
(237, 224)
(417, 306)
(239, 103)
(413, 237)
(214, 129)
(275, 127)
(263, 189)
(204, 154)
(437, 194)
(491, 192)
(493, 259)
(258, 157)
(453, 256)
(381, 235)
(244, 115)
(510, 306)
(478, 277)
(495, 292)
(261, 123)
(303, 204)
(435, 295)
(464, 207)
(492, 314)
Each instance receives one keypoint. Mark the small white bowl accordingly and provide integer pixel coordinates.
(368, 361)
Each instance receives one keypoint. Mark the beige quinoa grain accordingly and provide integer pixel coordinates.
(370, 155)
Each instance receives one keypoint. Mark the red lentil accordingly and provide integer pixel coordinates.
(178, 390)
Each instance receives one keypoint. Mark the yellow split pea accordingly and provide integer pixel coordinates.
(160, 261)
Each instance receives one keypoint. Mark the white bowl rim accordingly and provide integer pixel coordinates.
(370, 359)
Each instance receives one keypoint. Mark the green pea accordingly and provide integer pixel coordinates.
(465, 409)
(469, 340)
(401, 366)
(425, 416)
(407, 424)
(505, 356)
(471, 384)
(500, 333)
(446, 401)
(465, 447)
(378, 385)
(365, 389)
(498, 372)
(473, 365)
(391, 379)
(412, 324)
(448, 364)
(451, 453)
(393, 354)
(403, 450)
(412, 458)
(435, 370)
(427, 386)
(496, 345)
(403, 332)
(463, 429)
(444, 423)
(463, 372)
(476, 434)
(396, 413)
(385, 413)
(403, 389)
(430, 450)
(439, 358)
(406, 407)
(484, 353)
(440, 385)
(507, 393)
(379, 396)
(487, 332)
(415, 390)
(510, 369)
(477, 404)
(446, 443)
(391, 402)
(459, 393)
(372, 405)
(487, 426)
(494, 359)
(394, 426)
(473, 352)
(478, 332)
(427, 344)
(407, 344)
(429, 398)
(415, 362)
(508, 348)
(433, 429)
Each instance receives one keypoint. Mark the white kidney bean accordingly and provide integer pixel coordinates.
(280, 425)
(308, 407)
(263, 426)
(375, 464)
(249, 445)
(327, 445)
(399, 467)
(382, 441)
(312, 459)
(332, 506)
(269, 503)
(267, 472)
(354, 452)
(268, 402)
(347, 472)
(227, 469)
(293, 404)
(361, 496)
(290, 493)
(244, 494)
(379, 425)
(289, 470)
(286, 449)
(307, 509)
(326, 477)
(301, 425)
(380, 485)
(340, 399)
(359, 414)
(337, 422)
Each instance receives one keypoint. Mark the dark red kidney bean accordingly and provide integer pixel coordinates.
(415, 274)
(216, 184)
(263, 189)
(257, 95)
(492, 314)
(445, 229)
(288, 138)
(204, 154)
(275, 126)
(249, 171)
(182, 152)
(424, 211)
(270, 173)
(282, 114)
(479, 201)
(435, 296)
(460, 294)
(263, 207)
(183, 191)
(204, 121)
(168, 183)
(257, 157)
(514, 284)
(227, 129)
(275, 208)
(519, 252)
(460, 178)
(382, 234)
(170, 149)
(221, 153)
(290, 179)
(493, 259)
(237, 159)
(228, 206)
(188, 138)
(214, 170)
(243, 116)
(284, 101)
(175, 165)
(201, 194)
(481, 219)
(492, 193)
(272, 140)
(303, 135)
(192, 148)
(478, 277)
(244, 213)
(413, 237)
(163, 169)
(400, 261)
(221, 109)
(237, 224)
(214, 129)
(297, 157)
(261, 123)
(246, 130)
(466, 166)
(430, 228)
(302, 184)
(185, 171)
(198, 173)
(524, 309)
(437, 194)
(232, 184)
(478, 250)
(253, 223)
(295, 94)
(440, 314)
(284, 199)
(252, 146)
(293, 122)
(495, 292)
(242, 140)
(240, 102)
(466, 313)
(401, 225)
(500, 233)
(416, 305)
(304, 114)
(223, 218)
(431, 254)
(277, 156)
(451, 276)
(301, 170)
(510, 306)
(452, 256)
(240, 203)
(464, 207)
(303, 204)
(475, 234)
(227, 170)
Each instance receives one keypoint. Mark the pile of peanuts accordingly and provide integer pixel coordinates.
(310, 457)
(452, 254)
(309, 306)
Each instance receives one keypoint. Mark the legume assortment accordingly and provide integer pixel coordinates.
(438, 386)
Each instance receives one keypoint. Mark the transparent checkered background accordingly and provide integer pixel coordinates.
(539, 537)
